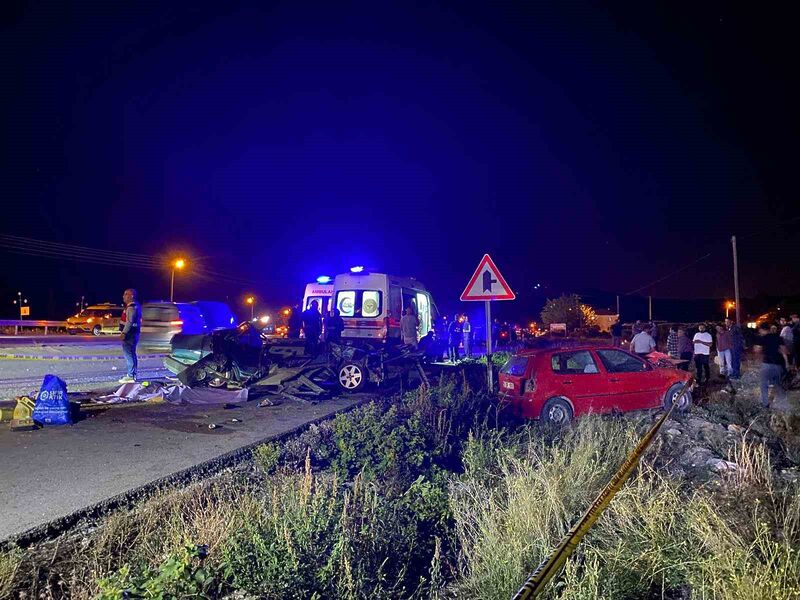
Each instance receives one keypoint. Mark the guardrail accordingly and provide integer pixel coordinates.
(17, 325)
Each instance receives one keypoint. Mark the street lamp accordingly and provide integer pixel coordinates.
(177, 264)
(20, 300)
(728, 306)
(251, 300)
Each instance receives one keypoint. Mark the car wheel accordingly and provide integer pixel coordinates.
(352, 377)
(557, 411)
(97, 330)
(672, 396)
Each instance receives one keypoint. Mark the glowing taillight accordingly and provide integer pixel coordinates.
(176, 322)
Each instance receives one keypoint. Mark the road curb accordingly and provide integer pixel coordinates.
(73, 357)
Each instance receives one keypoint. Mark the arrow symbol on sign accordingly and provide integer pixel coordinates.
(488, 281)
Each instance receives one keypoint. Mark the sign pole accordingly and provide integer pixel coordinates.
(489, 345)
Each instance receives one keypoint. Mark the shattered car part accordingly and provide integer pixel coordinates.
(241, 357)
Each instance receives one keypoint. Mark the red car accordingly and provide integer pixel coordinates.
(558, 384)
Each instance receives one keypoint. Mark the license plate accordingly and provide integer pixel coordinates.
(509, 385)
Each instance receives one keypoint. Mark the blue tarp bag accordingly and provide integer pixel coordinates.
(52, 405)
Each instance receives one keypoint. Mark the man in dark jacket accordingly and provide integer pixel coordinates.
(295, 322)
(334, 326)
(312, 325)
(453, 339)
(737, 348)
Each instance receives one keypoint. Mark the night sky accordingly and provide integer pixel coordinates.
(582, 146)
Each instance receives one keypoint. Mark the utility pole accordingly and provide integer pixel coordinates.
(650, 308)
(736, 282)
(618, 306)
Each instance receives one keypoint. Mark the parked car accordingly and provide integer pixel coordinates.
(216, 315)
(162, 320)
(558, 384)
(96, 319)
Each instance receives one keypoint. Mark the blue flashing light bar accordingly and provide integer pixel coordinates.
(323, 279)
(357, 269)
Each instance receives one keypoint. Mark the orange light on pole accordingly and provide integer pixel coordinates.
(728, 306)
(178, 264)
(251, 300)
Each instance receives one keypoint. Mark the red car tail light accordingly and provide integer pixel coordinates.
(176, 322)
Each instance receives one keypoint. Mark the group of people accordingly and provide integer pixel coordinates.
(310, 322)
(776, 345)
(729, 346)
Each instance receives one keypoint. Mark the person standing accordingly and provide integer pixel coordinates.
(794, 358)
(787, 335)
(453, 339)
(312, 324)
(334, 326)
(466, 329)
(672, 342)
(702, 350)
(408, 327)
(130, 325)
(737, 348)
(642, 343)
(685, 349)
(295, 322)
(773, 361)
(495, 334)
(724, 351)
(654, 333)
(616, 334)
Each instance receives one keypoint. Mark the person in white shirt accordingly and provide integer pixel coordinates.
(702, 350)
(643, 343)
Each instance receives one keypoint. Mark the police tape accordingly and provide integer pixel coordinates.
(552, 565)
(76, 358)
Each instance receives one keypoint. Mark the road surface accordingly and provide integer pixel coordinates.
(86, 363)
(51, 340)
(53, 472)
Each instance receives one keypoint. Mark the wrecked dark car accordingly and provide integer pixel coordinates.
(244, 357)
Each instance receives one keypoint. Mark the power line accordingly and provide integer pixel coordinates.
(665, 277)
(49, 245)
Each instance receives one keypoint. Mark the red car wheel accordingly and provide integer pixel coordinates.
(671, 397)
(557, 411)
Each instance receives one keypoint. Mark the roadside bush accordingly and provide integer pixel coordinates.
(318, 538)
(655, 540)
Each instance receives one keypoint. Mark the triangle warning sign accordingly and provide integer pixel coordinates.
(487, 283)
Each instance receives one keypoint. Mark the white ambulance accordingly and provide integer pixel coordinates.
(321, 293)
(371, 304)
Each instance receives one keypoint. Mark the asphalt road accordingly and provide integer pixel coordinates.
(52, 472)
(51, 340)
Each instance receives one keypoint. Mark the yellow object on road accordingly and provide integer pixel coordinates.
(22, 418)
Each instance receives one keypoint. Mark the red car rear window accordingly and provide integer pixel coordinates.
(515, 366)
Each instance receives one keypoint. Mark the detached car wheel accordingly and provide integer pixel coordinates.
(97, 330)
(352, 377)
(557, 411)
(671, 397)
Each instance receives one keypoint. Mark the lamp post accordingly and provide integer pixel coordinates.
(728, 306)
(177, 264)
(20, 300)
(251, 300)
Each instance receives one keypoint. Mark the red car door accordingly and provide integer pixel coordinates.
(577, 377)
(633, 383)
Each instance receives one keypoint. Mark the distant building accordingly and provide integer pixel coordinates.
(605, 319)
